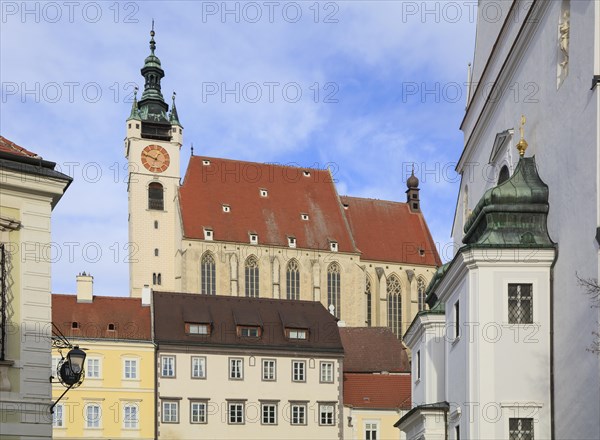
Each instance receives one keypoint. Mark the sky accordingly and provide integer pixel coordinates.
(366, 88)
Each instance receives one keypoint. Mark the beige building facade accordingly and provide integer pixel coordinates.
(29, 190)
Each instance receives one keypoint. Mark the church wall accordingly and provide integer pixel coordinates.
(561, 129)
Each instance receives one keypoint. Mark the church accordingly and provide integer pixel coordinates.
(261, 230)
(509, 345)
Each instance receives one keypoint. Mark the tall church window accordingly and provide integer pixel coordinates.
(207, 275)
(156, 196)
(292, 280)
(251, 277)
(421, 293)
(333, 288)
(368, 300)
(394, 305)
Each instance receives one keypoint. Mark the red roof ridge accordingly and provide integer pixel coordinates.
(9, 146)
(277, 164)
(375, 200)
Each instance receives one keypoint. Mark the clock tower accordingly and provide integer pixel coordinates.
(152, 146)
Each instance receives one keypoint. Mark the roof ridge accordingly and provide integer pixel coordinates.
(277, 164)
(375, 200)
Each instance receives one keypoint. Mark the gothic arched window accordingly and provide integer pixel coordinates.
(252, 277)
(207, 275)
(156, 196)
(333, 288)
(368, 300)
(421, 292)
(394, 305)
(292, 280)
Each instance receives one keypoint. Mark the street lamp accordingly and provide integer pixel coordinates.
(70, 371)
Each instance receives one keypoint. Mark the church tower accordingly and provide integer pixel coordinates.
(152, 148)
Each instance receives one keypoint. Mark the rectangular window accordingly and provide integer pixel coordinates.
(92, 370)
(457, 432)
(167, 368)
(520, 303)
(299, 371)
(198, 329)
(269, 369)
(298, 416)
(55, 361)
(371, 431)
(198, 412)
(327, 372)
(170, 412)
(130, 369)
(57, 416)
(520, 429)
(236, 368)
(249, 332)
(92, 415)
(236, 413)
(456, 319)
(269, 413)
(297, 334)
(326, 414)
(198, 367)
(419, 365)
(131, 416)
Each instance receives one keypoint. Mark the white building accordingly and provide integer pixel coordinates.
(504, 350)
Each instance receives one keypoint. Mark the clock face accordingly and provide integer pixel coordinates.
(155, 158)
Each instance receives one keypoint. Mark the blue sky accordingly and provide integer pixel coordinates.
(389, 74)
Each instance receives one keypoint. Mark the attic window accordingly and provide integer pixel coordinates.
(297, 333)
(333, 246)
(345, 205)
(263, 192)
(306, 173)
(74, 324)
(422, 252)
(304, 216)
(111, 327)
(197, 329)
(292, 242)
(248, 332)
(208, 234)
(253, 238)
(226, 208)
(206, 162)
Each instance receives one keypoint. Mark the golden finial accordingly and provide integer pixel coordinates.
(522, 145)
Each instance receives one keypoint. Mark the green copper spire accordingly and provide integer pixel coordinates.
(174, 117)
(135, 113)
(152, 106)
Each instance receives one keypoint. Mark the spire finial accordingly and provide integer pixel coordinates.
(192, 148)
(522, 145)
(134, 106)
(152, 42)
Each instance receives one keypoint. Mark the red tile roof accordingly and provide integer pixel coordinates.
(7, 146)
(274, 217)
(373, 349)
(381, 391)
(130, 318)
(389, 231)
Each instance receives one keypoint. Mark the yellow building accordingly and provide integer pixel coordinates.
(116, 399)
(30, 188)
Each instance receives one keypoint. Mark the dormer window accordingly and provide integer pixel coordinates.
(333, 246)
(206, 162)
(208, 234)
(111, 327)
(74, 325)
(263, 192)
(345, 205)
(248, 331)
(304, 217)
(297, 333)
(197, 329)
(306, 173)
(292, 242)
(253, 238)
(226, 208)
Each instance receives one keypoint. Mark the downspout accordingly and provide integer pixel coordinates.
(552, 427)
(446, 424)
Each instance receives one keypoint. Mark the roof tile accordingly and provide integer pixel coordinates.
(373, 349)
(381, 391)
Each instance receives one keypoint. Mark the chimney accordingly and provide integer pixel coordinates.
(146, 295)
(85, 288)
